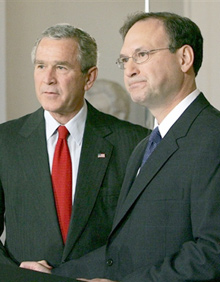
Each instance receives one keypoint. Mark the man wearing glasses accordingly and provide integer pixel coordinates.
(166, 226)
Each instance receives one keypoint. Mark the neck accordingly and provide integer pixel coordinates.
(63, 118)
(162, 110)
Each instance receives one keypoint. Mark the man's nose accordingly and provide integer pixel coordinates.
(131, 68)
(50, 76)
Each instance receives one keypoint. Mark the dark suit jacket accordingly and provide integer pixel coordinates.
(167, 222)
(26, 194)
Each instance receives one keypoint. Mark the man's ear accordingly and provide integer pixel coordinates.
(91, 77)
(187, 57)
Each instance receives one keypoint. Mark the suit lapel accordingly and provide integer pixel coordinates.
(88, 180)
(33, 153)
(153, 165)
(167, 147)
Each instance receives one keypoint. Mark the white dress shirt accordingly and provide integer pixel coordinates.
(76, 128)
(173, 116)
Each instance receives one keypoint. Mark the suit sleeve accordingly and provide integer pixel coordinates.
(88, 266)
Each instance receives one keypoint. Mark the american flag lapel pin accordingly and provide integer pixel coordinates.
(101, 155)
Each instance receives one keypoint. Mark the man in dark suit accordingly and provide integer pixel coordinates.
(65, 67)
(166, 227)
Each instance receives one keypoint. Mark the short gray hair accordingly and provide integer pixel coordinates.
(88, 53)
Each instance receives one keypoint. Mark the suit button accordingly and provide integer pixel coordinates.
(109, 262)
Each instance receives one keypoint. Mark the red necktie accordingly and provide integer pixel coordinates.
(62, 181)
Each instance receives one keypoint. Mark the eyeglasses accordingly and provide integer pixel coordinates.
(138, 57)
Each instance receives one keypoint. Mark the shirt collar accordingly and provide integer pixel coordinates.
(75, 126)
(173, 116)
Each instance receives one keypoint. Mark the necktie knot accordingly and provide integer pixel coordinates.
(155, 136)
(63, 132)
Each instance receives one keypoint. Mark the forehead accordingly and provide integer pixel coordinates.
(61, 48)
(146, 34)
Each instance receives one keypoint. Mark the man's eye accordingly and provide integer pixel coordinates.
(39, 66)
(61, 67)
(124, 59)
(142, 54)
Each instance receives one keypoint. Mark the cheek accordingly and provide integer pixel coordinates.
(37, 79)
(160, 73)
(126, 82)
(66, 85)
(37, 86)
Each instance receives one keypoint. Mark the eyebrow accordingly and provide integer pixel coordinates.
(56, 63)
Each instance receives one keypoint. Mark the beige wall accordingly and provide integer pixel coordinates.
(206, 15)
(25, 21)
(2, 64)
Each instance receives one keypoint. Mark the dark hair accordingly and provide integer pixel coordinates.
(181, 31)
(87, 46)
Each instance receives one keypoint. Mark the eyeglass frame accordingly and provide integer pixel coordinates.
(148, 52)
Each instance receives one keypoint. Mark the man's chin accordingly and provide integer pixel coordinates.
(139, 99)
